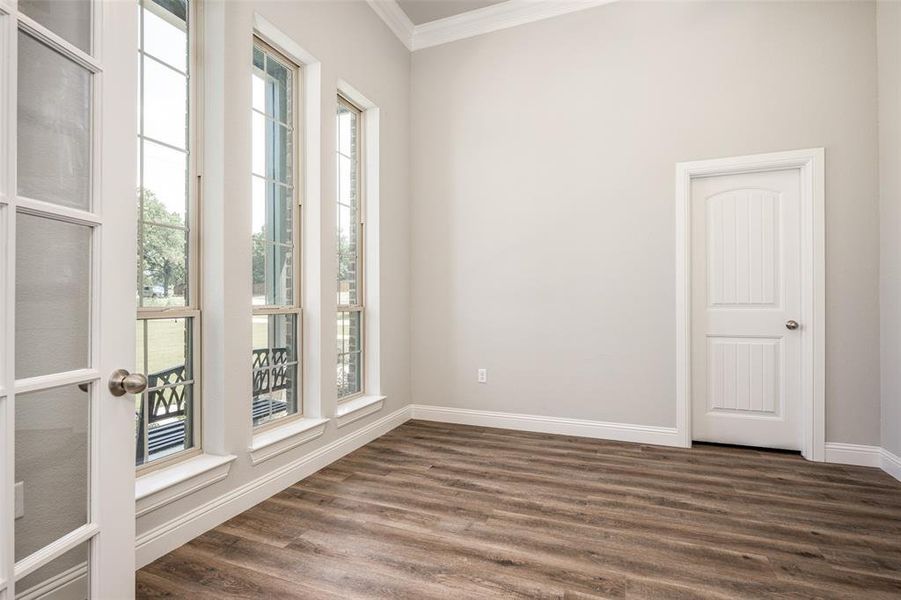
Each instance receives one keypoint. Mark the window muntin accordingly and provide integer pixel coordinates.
(275, 238)
(350, 315)
(167, 413)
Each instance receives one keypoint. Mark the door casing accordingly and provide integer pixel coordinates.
(811, 165)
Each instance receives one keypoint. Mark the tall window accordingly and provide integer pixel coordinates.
(350, 253)
(167, 413)
(276, 276)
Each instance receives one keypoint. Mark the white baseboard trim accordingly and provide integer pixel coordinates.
(621, 432)
(891, 464)
(853, 454)
(182, 529)
(864, 456)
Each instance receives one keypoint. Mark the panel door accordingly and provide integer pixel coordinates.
(746, 301)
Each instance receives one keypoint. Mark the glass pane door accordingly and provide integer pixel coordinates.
(62, 430)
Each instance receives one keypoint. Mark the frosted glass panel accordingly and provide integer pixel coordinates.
(71, 20)
(70, 569)
(53, 280)
(54, 135)
(52, 449)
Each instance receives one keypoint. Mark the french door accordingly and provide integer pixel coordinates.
(67, 272)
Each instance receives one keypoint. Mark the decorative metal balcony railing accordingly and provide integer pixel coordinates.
(167, 400)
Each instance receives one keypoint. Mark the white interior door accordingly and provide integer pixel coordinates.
(67, 242)
(746, 303)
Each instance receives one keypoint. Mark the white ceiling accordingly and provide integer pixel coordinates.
(423, 11)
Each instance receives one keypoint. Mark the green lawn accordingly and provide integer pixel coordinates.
(166, 341)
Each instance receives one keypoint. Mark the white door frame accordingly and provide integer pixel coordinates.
(811, 165)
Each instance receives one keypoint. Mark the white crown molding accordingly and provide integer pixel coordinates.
(396, 20)
(475, 22)
(494, 18)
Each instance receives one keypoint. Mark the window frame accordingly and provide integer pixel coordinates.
(360, 306)
(298, 178)
(192, 310)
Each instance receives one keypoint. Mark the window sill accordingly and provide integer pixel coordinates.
(350, 411)
(159, 488)
(273, 442)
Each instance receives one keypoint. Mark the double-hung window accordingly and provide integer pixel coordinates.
(275, 238)
(350, 252)
(167, 414)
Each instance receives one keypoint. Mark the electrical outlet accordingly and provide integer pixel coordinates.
(483, 375)
(20, 499)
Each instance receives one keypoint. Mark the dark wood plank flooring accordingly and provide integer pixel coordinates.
(449, 511)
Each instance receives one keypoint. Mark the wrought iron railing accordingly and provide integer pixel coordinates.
(167, 400)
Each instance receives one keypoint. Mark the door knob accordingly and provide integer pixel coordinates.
(122, 382)
(791, 325)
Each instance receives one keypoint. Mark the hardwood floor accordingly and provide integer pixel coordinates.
(449, 511)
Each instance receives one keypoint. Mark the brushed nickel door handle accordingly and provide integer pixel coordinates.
(122, 382)
(791, 325)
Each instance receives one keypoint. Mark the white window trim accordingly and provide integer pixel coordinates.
(309, 250)
(371, 265)
(296, 307)
(278, 440)
(164, 486)
(360, 305)
(357, 408)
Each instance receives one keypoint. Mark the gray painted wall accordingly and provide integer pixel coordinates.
(889, 44)
(543, 222)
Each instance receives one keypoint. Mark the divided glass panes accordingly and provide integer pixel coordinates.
(164, 411)
(272, 188)
(165, 414)
(163, 161)
(54, 126)
(55, 294)
(274, 233)
(348, 208)
(350, 254)
(273, 244)
(274, 367)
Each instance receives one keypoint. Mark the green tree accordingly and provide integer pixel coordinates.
(346, 261)
(164, 259)
(259, 263)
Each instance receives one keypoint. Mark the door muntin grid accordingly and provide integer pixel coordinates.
(49, 399)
